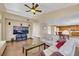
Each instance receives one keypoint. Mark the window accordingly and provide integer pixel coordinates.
(49, 30)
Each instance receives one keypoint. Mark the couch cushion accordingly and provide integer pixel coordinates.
(59, 44)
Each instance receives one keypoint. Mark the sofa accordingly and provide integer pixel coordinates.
(2, 47)
(68, 49)
(50, 39)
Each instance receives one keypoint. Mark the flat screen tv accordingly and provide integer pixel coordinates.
(20, 30)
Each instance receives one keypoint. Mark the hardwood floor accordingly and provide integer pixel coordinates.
(15, 49)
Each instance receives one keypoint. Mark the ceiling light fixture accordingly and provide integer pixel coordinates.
(33, 8)
(33, 11)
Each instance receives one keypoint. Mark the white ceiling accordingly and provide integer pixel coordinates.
(19, 8)
(69, 20)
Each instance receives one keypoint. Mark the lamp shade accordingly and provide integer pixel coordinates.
(65, 32)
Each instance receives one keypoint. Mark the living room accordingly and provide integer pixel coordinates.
(18, 28)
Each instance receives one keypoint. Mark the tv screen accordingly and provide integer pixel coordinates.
(20, 30)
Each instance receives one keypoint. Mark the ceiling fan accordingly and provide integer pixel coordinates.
(33, 9)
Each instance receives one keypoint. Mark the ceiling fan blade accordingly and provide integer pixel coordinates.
(33, 6)
(27, 6)
(28, 11)
(36, 5)
(39, 10)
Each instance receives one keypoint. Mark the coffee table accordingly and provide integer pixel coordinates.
(29, 47)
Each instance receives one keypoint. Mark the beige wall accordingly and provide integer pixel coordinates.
(0, 28)
(16, 21)
(43, 29)
(2, 21)
(36, 29)
(39, 29)
(0, 32)
(9, 28)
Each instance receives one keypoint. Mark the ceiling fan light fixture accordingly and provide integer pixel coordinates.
(33, 11)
